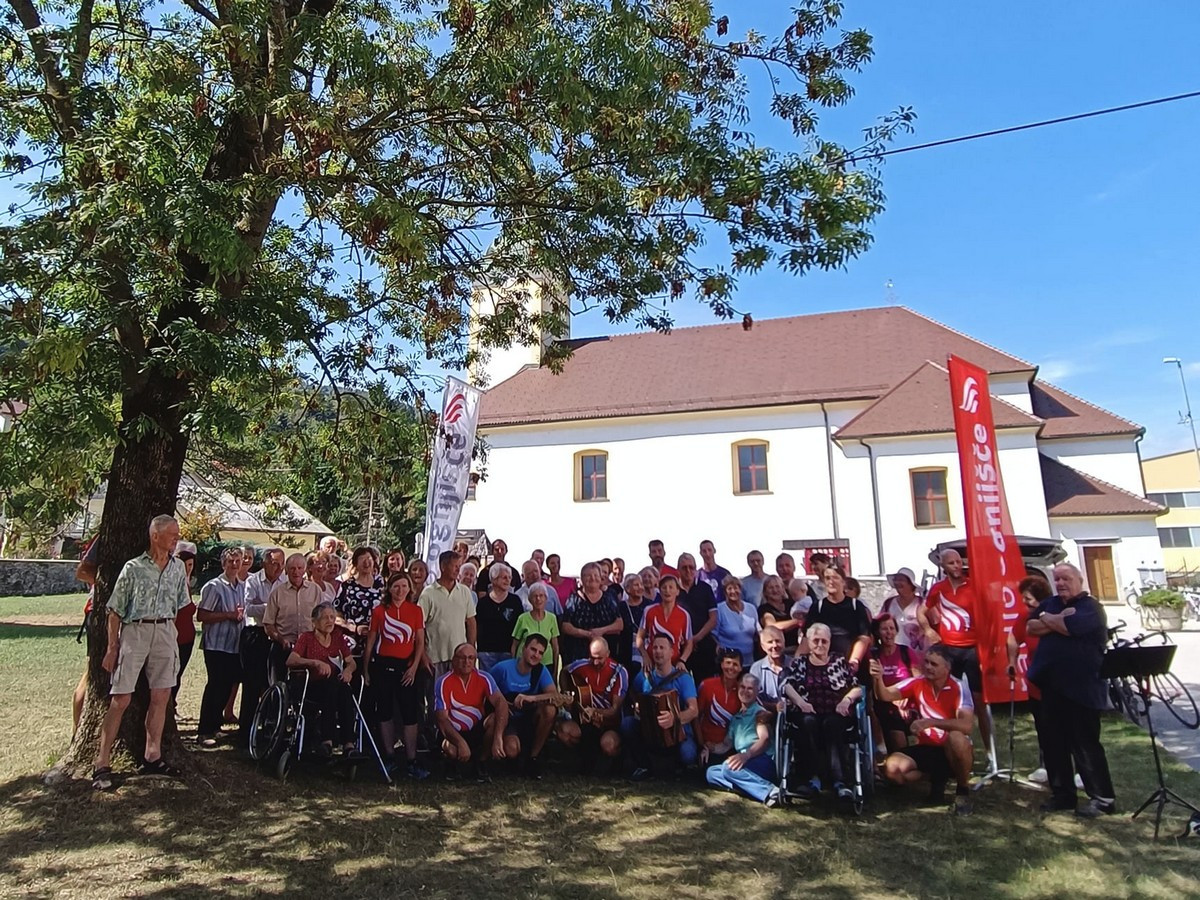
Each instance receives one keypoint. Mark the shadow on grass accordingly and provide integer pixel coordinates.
(232, 831)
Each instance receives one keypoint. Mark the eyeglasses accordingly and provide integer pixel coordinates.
(818, 640)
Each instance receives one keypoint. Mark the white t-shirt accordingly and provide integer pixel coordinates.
(908, 628)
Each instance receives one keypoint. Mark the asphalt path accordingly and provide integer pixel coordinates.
(1183, 743)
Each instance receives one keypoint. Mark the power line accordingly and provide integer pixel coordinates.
(1012, 128)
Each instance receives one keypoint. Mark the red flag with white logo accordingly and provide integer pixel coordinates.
(993, 556)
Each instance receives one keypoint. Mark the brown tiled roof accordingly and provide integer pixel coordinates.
(853, 355)
(1068, 416)
(921, 404)
(1070, 492)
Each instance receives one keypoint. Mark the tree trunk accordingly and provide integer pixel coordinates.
(142, 483)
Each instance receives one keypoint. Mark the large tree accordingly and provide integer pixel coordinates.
(219, 196)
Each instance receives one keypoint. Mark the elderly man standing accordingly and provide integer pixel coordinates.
(289, 609)
(1072, 628)
(449, 609)
(148, 593)
(255, 646)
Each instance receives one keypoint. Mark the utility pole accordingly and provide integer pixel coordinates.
(1186, 416)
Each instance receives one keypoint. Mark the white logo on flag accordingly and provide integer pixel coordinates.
(970, 396)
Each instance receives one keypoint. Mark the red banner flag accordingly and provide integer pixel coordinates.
(993, 556)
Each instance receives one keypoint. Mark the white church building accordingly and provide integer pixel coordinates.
(830, 431)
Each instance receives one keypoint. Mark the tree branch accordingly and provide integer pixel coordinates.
(202, 11)
(47, 62)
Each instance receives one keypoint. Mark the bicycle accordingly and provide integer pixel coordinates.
(1191, 607)
(1123, 692)
(1167, 688)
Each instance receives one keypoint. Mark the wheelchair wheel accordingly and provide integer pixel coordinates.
(782, 758)
(269, 724)
(283, 765)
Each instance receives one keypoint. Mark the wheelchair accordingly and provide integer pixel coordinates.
(860, 776)
(279, 733)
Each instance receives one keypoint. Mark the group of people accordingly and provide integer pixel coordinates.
(685, 666)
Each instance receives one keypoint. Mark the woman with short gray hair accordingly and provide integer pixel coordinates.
(495, 615)
(750, 770)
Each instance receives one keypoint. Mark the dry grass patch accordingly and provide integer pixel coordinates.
(234, 831)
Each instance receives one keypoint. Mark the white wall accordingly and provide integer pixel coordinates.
(1114, 459)
(669, 477)
(1134, 540)
(907, 545)
(1013, 388)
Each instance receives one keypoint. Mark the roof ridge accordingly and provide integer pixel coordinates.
(1107, 412)
(963, 334)
(929, 363)
(728, 322)
(1107, 484)
(882, 397)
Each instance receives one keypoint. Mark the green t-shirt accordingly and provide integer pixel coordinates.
(547, 628)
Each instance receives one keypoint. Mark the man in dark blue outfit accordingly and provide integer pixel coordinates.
(1066, 667)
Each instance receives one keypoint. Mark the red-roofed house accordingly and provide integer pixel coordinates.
(833, 429)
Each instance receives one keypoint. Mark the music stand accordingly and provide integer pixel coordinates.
(1142, 663)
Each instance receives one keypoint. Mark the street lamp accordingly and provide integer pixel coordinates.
(1169, 360)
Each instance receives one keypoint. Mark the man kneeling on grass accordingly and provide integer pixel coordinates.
(943, 730)
(461, 700)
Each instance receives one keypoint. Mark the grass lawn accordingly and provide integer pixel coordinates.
(235, 831)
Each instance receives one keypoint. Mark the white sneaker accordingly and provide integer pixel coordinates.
(1039, 776)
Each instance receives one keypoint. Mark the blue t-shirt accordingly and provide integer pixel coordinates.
(743, 730)
(650, 682)
(511, 682)
(737, 630)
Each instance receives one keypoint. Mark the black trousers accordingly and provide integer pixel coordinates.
(185, 653)
(1070, 733)
(254, 647)
(335, 709)
(825, 746)
(224, 671)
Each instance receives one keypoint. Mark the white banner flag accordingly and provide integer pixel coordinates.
(449, 470)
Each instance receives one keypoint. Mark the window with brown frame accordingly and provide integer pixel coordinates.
(591, 475)
(750, 467)
(931, 505)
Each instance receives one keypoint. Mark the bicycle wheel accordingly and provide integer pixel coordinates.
(1132, 703)
(1176, 698)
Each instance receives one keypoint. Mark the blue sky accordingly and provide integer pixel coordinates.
(1073, 246)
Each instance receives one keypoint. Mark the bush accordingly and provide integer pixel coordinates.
(1161, 598)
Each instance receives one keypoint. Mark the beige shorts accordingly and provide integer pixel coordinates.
(152, 646)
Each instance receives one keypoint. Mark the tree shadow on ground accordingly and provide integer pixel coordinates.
(231, 830)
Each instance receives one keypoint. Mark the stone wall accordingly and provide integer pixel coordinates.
(38, 577)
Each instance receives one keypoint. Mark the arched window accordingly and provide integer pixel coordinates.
(750, 467)
(591, 475)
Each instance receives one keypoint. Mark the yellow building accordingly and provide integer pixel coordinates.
(1174, 481)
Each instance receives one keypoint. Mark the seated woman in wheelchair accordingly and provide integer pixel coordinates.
(821, 693)
(324, 656)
